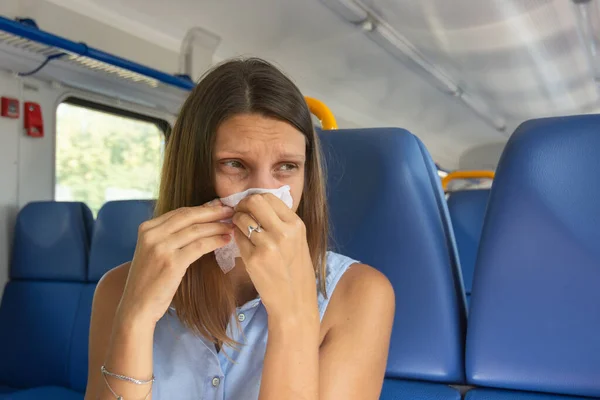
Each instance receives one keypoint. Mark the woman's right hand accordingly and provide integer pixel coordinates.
(166, 247)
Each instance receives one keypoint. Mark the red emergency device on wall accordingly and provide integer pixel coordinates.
(32, 117)
(9, 107)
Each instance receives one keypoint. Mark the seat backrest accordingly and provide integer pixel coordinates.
(388, 210)
(41, 303)
(534, 314)
(115, 234)
(51, 241)
(467, 212)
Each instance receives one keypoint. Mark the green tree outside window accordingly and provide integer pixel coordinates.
(102, 156)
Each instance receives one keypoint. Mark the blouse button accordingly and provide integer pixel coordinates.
(216, 381)
(241, 317)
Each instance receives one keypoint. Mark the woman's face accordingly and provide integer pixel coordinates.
(252, 151)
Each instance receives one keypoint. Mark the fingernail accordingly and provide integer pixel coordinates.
(214, 202)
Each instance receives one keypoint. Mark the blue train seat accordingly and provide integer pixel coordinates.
(115, 234)
(534, 317)
(45, 393)
(467, 212)
(388, 210)
(41, 306)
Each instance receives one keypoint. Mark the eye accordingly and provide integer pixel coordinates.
(286, 167)
(233, 164)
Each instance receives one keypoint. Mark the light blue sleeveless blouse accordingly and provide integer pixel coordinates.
(187, 367)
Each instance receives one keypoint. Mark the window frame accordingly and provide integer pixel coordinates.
(160, 123)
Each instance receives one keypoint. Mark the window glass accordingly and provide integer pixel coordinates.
(102, 156)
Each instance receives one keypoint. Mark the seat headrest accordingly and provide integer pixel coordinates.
(534, 306)
(387, 209)
(52, 241)
(467, 212)
(115, 234)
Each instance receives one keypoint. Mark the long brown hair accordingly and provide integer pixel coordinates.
(205, 300)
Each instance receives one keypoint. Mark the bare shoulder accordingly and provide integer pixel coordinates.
(363, 293)
(363, 284)
(107, 296)
(113, 282)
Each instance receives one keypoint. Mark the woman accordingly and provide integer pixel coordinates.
(291, 320)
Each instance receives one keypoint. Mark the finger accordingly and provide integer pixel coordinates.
(284, 213)
(262, 211)
(259, 239)
(187, 216)
(193, 232)
(152, 223)
(244, 244)
(216, 203)
(213, 203)
(200, 247)
(244, 220)
(163, 218)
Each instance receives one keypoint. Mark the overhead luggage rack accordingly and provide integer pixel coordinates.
(27, 50)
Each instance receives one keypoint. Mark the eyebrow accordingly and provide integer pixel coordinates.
(293, 156)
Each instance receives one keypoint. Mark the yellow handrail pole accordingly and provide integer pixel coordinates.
(466, 175)
(322, 112)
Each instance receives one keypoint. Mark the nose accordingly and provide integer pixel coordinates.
(263, 178)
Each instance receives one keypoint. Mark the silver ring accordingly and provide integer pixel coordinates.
(252, 229)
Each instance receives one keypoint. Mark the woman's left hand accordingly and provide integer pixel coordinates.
(277, 257)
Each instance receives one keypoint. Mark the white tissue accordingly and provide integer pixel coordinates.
(226, 255)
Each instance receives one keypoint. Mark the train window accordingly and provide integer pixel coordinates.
(105, 154)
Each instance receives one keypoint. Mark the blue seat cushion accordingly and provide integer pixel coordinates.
(78, 362)
(412, 390)
(115, 234)
(51, 241)
(44, 393)
(467, 211)
(493, 394)
(37, 321)
(534, 319)
(387, 209)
